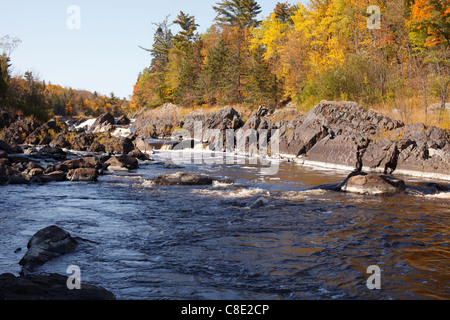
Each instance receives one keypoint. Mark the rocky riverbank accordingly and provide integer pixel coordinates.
(332, 134)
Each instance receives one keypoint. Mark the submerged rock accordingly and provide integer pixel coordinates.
(46, 244)
(182, 178)
(260, 202)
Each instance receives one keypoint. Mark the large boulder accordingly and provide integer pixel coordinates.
(82, 141)
(123, 162)
(106, 118)
(48, 287)
(374, 184)
(45, 245)
(10, 148)
(119, 145)
(61, 140)
(123, 121)
(142, 144)
(182, 178)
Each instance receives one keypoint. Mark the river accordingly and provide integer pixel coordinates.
(195, 242)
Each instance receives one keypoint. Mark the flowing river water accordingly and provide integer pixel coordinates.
(208, 242)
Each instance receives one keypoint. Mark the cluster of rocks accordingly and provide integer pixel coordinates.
(47, 244)
(27, 144)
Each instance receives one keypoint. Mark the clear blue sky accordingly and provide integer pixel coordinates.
(103, 55)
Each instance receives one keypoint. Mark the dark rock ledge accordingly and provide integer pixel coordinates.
(47, 244)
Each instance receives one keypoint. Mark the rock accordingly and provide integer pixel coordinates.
(45, 152)
(340, 150)
(83, 174)
(9, 175)
(172, 166)
(96, 147)
(123, 121)
(8, 148)
(45, 245)
(48, 287)
(439, 106)
(41, 135)
(82, 141)
(53, 177)
(349, 117)
(262, 111)
(157, 123)
(381, 156)
(61, 141)
(136, 153)
(141, 144)
(56, 167)
(261, 202)
(119, 145)
(34, 172)
(85, 162)
(222, 120)
(297, 138)
(182, 178)
(122, 162)
(3, 154)
(423, 149)
(373, 184)
(106, 118)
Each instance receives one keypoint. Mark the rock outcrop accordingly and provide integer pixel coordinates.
(48, 287)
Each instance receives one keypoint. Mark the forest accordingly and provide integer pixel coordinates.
(391, 56)
(28, 95)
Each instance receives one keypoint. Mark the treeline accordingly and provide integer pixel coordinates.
(329, 49)
(27, 95)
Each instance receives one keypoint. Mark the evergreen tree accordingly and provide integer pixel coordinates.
(188, 27)
(240, 13)
(162, 43)
(218, 75)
